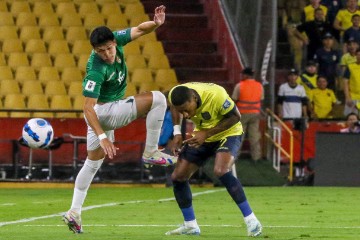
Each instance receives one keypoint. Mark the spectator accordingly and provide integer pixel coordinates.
(352, 86)
(353, 32)
(248, 95)
(328, 60)
(343, 18)
(308, 78)
(307, 14)
(310, 33)
(333, 8)
(322, 100)
(352, 123)
(350, 56)
(292, 100)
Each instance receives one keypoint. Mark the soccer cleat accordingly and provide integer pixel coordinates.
(184, 230)
(159, 158)
(254, 227)
(73, 220)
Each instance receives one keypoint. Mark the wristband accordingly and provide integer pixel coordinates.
(177, 130)
(102, 136)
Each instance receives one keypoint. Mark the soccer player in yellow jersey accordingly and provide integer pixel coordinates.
(217, 132)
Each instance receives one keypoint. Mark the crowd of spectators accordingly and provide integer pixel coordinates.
(329, 30)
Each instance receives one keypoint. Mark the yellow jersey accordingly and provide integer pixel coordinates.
(215, 103)
(323, 101)
(344, 17)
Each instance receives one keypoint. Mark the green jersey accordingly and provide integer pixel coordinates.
(107, 82)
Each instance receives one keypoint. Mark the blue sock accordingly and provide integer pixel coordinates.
(236, 191)
(183, 197)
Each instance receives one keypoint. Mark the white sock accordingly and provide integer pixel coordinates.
(154, 121)
(82, 183)
(251, 216)
(192, 223)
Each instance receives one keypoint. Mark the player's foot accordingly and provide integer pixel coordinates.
(73, 220)
(254, 227)
(159, 158)
(184, 230)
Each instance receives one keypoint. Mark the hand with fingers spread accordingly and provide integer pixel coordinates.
(108, 147)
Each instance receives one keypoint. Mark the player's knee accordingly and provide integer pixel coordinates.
(158, 99)
(178, 177)
(220, 171)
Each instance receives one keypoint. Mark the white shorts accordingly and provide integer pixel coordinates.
(112, 115)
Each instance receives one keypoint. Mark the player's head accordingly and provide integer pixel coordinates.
(321, 82)
(184, 100)
(103, 41)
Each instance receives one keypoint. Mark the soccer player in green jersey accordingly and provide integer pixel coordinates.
(217, 132)
(105, 108)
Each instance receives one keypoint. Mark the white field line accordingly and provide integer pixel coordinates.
(169, 225)
(24, 220)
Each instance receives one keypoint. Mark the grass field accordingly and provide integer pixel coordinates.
(148, 212)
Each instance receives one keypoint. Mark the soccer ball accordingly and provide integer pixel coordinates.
(37, 133)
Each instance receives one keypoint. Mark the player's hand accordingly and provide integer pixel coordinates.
(108, 147)
(176, 144)
(197, 139)
(159, 17)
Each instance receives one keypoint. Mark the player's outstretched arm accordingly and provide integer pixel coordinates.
(149, 26)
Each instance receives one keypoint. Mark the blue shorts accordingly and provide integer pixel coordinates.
(199, 155)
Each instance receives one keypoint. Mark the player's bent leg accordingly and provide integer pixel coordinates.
(154, 104)
(72, 218)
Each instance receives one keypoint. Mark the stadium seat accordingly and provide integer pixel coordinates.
(152, 48)
(134, 61)
(133, 9)
(93, 20)
(2, 59)
(8, 32)
(82, 61)
(3, 114)
(64, 60)
(141, 75)
(110, 8)
(39, 60)
(25, 73)
(75, 89)
(29, 32)
(26, 19)
(146, 38)
(148, 87)
(55, 88)
(31, 87)
(81, 47)
(53, 33)
(117, 22)
(62, 102)
(12, 45)
(58, 47)
(16, 101)
(158, 62)
(18, 7)
(130, 90)
(137, 19)
(39, 102)
(35, 46)
(78, 104)
(6, 73)
(71, 19)
(6, 19)
(74, 33)
(41, 7)
(63, 8)
(71, 74)
(9, 86)
(88, 7)
(48, 74)
(17, 59)
(48, 20)
(166, 78)
(132, 48)
(3, 7)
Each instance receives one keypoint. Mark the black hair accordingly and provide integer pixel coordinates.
(352, 114)
(321, 76)
(101, 35)
(354, 16)
(180, 95)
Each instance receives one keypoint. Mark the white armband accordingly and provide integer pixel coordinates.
(177, 130)
(102, 136)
